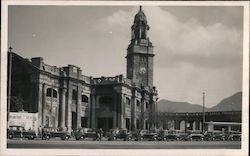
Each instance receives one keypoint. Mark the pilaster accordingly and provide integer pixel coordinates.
(62, 107)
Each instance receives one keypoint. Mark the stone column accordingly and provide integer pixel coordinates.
(142, 114)
(194, 125)
(89, 111)
(123, 119)
(115, 111)
(93, 105)
(62, 107)
(43, 104)
(79, 106)
(69, 113)
(119, 109)
(51, 108)
(39, 92)
(200, 123)
(133, 109)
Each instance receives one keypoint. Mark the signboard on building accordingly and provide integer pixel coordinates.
(25, 119)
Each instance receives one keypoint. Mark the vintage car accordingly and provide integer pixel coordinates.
(50, 132)
(234, 136)
(135, 135)
(181, 135)
(148, 135)
(171, 137)
(195, 137)
(161, 135)
(119, 133)
(84, 133)
(214, 136)
(20, 132)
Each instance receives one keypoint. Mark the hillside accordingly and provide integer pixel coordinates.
(171, 106)
(233, 102)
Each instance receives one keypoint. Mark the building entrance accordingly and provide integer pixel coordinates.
(73, 120)
(105, 123)
(84, 122)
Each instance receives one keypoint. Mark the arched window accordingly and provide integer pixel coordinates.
(85, 98)
(49, 92)
(54, 93)
(74, 94)
(127, 101)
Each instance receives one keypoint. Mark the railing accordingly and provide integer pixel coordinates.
(111, 80)
(52, 69)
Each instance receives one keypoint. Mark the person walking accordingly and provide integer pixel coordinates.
(100, 134)
(97, 134)
(40, 131)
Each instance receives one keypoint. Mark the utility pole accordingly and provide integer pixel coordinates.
(203, 121)
(9, 85)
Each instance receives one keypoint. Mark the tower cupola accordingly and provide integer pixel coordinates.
(140, 52)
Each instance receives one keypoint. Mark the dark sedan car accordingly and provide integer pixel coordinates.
(171, 137)
(84, 133)
(147, 135)
(214, 136)
(234, 137)
(20, 132)
(161, 135)
(181, 135)
(195, 137)
(50, 132)
(122, 134)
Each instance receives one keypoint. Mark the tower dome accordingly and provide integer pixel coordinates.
(140, 17)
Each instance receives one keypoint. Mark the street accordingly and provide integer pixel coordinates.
(87, 144)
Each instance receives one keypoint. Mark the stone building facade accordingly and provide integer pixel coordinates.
(65, 98)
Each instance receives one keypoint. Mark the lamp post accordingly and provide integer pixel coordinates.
(9, 85)
(203, 119)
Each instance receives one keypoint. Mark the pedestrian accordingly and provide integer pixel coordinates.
(40, 131)
(97, 134)
(100, 134)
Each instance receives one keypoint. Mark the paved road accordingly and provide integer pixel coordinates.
(87, 144)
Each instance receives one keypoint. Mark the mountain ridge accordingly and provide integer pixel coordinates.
(233, 102)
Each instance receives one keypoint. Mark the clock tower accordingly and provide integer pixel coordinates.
(140, 52)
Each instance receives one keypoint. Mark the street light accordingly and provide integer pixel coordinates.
(9, 85)
(203, 121)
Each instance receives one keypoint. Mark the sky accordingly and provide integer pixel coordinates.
(197, 48)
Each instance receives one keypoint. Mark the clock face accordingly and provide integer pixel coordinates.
(143, 70)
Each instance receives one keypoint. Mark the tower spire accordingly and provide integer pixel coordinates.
(140, 7)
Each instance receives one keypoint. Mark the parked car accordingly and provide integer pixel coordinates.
(20, 132)
(181, 135)
(171, 137)
(195, 137)
(135, 135)
(148, 135)
(119, 133)
(161, 135)
(50, 132)
(84, 133)
(214, 136)
(234, 137)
